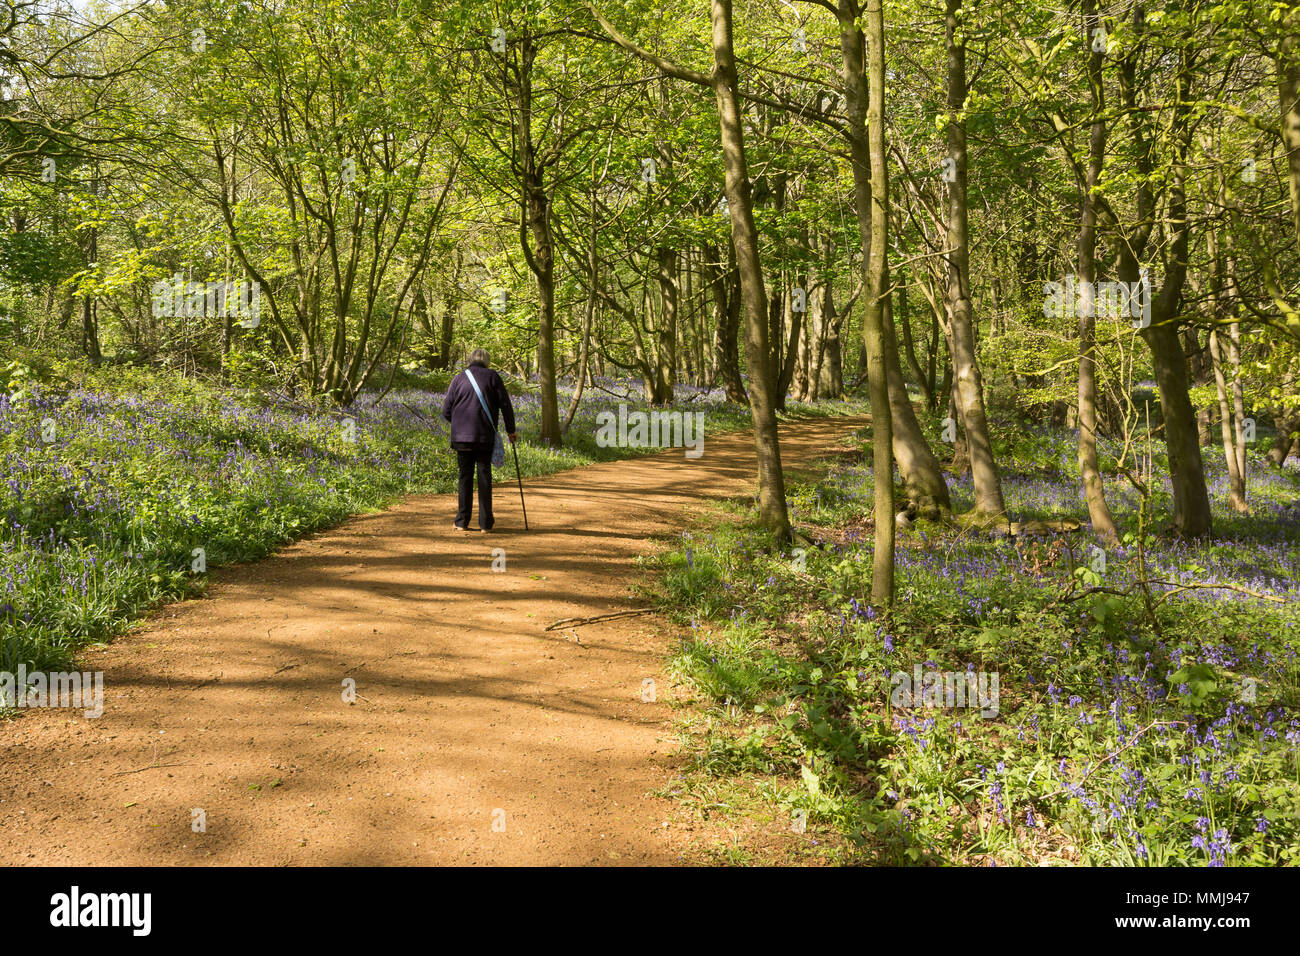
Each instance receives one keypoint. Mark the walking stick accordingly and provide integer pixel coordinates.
(520, 479)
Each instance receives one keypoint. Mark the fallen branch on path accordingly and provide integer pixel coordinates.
(153, 766)
(580, 621)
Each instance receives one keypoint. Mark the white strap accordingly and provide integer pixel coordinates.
(482, 403)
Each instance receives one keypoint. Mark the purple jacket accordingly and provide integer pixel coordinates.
(469, 426)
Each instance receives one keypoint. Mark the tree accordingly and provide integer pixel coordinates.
(1094, 491)
(724, 82)
(969, 389)
(877, 296)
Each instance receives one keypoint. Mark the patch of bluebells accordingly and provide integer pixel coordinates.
(1097, 746)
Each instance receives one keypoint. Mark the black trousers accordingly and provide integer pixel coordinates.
(480, 460)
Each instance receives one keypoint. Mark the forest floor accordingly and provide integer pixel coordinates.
(476, 735)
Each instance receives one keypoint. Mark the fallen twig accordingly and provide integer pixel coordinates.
(1174, 586)
(1214, 587)
(415, 411)
(580, 621)
(1108, 759)
(153, 766)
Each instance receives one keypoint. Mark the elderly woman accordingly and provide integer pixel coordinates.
(474, 399)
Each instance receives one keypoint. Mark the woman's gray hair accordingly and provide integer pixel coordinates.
(480, 357)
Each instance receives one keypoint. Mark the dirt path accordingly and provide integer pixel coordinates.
(467, 713)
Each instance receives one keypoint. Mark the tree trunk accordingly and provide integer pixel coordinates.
(420, 312)
(1288, 88)
(821, 319)
(830, 366)
(803, 386)
(909, 350)
(1287, 424)
(1236, 486)
(544, 270)
(666, 331)
(1192, 516)
(1230, 416)
(960, 463)
(450, 306)
(831, 383)
(922, 476)
(725, 284)
(970, 388)
(791, 355)
(744, 234)
(89, 324)
(1094, 491)
(1186, 470)
(1238, 396)
(541, 255)
(867, 106)
(917, 464)
(588, 316)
